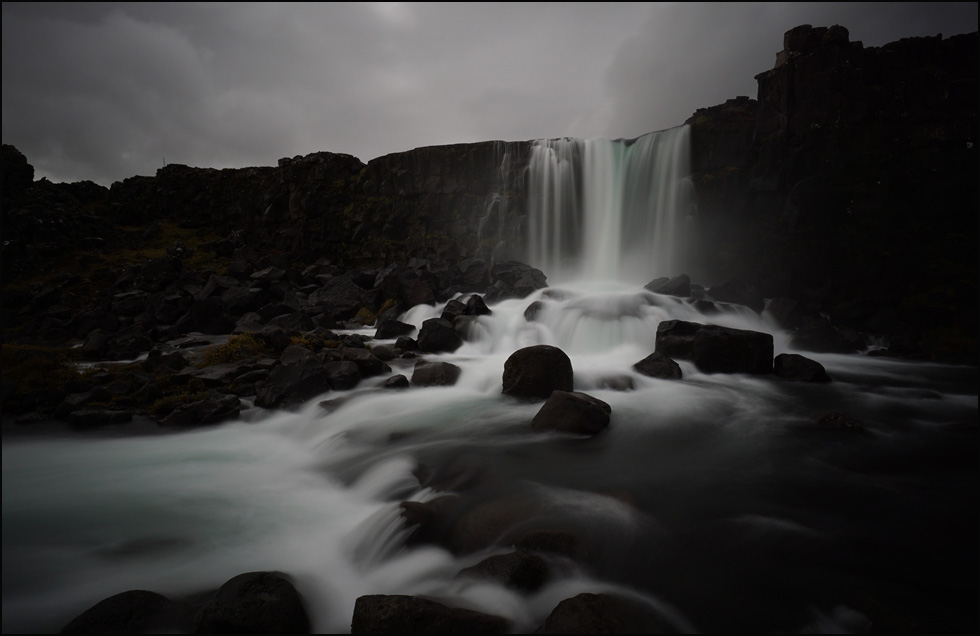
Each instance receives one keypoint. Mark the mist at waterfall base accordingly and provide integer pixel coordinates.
(713, 499)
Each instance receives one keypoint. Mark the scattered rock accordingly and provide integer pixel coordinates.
(576, 413)
(256, 603)
(536, 371)
(428, 373)
(716, 349)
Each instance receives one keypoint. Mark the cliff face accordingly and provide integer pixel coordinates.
(852, 176)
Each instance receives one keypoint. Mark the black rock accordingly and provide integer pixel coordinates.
(438, 335)
(428, 373)
(576, 413)
(657, 365)
(256, 603)
(716, 349)
(536, 371)
(791, 366)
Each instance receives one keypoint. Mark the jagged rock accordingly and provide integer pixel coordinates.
(392, 329)
(428, 373)
(475, 306)
(572, 412)
(453, 309)
(438, 335)
(512, 279)
(366, 362)
(792, 366)
(407, 286)
(255, 603)
(536, 371)
(381, 614)
(211, 410)
(657, 365)
(716, 349)
(292, 384)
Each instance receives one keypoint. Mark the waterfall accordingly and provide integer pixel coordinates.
(605, 209)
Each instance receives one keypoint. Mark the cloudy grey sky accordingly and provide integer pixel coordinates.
(104, 91)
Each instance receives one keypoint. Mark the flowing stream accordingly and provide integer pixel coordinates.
(715, 499)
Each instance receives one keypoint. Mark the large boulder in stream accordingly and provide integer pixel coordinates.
(792, 366)
(438, 335)
(716, 349)
(604, 614)
(255, 603)
(537, 371)
(572, 412)
(657, 365)
(394, 614)
(435, 373)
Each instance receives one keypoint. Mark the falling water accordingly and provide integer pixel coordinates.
(605, 209)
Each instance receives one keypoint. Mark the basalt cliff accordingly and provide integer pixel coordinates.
(846, 192)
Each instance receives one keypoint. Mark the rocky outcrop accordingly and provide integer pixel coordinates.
(826, 188)
(716, 349)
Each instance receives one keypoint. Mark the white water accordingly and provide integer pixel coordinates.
(316, 494)
(612, 210)
(712, 499)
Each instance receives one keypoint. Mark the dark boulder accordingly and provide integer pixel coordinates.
(428, 373)
(657, 365)
(389, 329)
(438, 335)
(792, 366)
(604, 614)
(512, 279)
(576, 413)
(367, 362)
(255, 603)
(519, 570)
(291, 384)
(134, 612)
(211, 410)
(716, 349)
(676, 286)
(383, 614)
(342, 375)
(475, 306)
(395, 382)
(536, 371)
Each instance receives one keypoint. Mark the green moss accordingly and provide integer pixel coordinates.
(33, 368)
(240, 346)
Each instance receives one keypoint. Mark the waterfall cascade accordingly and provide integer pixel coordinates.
(611, 209)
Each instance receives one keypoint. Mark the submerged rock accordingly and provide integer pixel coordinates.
(519, 570)
(716, 349)
(536, 371)
(792, 366)
(604, 614)
(576, 413)
(428, 373)
(395, 614)
(657, 365)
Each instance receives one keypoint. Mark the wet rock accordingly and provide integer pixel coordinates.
(792, 366)
(428, 373)
(536, 371)
(396, 382)
(519, 570)
(392, 329)
(739, 292)
(475, 306)
(381, 614)
(839, 420)
(604, 614)
(134, 612)
(292, 384)
(532, 310)
(676, 286)
(211, 410)
(256, 603)
(576, 413)
(366, 362)
(657, 365)
(716, 349)
(438, 335)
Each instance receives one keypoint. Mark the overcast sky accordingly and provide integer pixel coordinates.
(105, 91)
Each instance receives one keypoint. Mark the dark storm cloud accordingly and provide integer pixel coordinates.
(103, 91)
